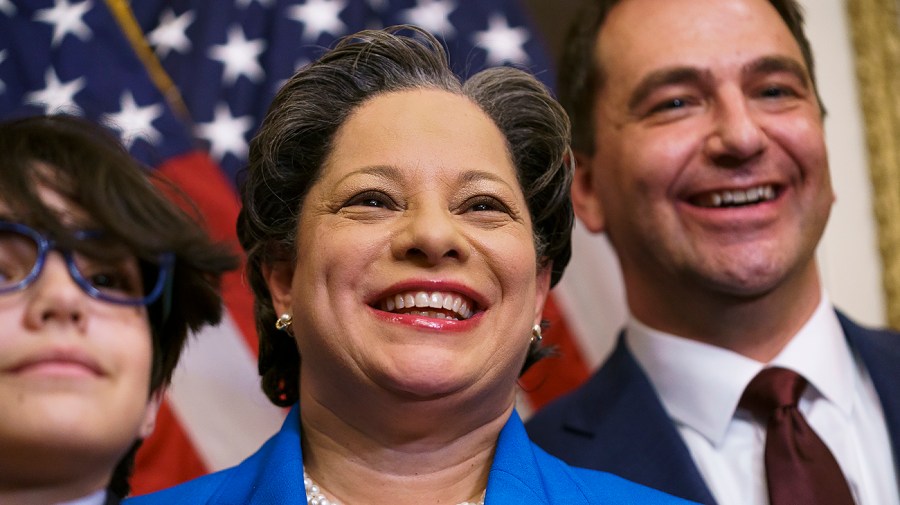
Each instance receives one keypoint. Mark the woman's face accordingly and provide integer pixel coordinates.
(416, 271)
(74, 375)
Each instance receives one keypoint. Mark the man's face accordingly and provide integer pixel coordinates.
(709, 172)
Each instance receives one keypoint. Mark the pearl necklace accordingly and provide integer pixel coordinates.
(315, 496)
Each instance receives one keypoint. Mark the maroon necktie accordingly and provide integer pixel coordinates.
(800, 469)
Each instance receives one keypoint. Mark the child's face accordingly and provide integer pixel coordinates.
(74, 378)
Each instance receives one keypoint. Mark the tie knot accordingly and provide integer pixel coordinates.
(771, 389)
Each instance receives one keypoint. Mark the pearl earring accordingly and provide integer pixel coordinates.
(536, 336)
(284, 321)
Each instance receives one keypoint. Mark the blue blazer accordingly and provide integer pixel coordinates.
(521, 474)
(615, 422)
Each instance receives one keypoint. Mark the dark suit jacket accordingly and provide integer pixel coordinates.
(615, 422)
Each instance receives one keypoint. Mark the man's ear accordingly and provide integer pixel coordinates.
(279, 276)
(585, 200)
(149, 421)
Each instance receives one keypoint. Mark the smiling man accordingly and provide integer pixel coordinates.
(700, 152)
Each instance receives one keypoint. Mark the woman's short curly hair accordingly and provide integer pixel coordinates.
(297, 135)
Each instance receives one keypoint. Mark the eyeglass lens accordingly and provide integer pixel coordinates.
(111, 271)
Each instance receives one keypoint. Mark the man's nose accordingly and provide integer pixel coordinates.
(736, 135)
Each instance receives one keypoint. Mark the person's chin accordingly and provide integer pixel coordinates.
(427, 381)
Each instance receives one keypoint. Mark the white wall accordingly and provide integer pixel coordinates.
(593, 299)
(848, 253)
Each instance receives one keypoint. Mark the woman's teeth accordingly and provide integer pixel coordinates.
(449, 305)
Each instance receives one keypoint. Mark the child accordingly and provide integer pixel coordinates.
(101, 278)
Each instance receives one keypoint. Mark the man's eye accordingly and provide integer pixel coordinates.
(776, 92)
(674, 103)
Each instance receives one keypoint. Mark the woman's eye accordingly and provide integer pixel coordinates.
(371, 199)
(487, 204)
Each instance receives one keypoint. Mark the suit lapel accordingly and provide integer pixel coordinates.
(628, 432)
(880, 352)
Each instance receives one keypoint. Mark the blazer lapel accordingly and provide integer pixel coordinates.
(272, 476)
(516, 475)
(880, 352)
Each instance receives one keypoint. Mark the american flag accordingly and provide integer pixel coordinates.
(185, 84)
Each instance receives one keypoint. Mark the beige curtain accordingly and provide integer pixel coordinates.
(875, 28)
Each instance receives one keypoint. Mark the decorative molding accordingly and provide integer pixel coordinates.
(875, 29)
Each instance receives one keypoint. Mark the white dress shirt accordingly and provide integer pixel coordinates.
(98, 498)
(700, 386)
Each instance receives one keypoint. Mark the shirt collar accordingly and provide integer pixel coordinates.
(700, 384)
(98, 498)
(820, 353)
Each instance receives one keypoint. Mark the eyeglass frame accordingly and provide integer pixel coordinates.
(47, 244)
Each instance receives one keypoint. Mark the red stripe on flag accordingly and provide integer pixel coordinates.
(202, 180)
(166, 458)
(555, 375)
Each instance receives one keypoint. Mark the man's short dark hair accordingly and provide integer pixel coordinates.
(580, 79)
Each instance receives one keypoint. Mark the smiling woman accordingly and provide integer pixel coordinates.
(403, 230)
(101, 277)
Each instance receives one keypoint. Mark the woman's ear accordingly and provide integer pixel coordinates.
(542, 290)
(279, 276)
(585, 198)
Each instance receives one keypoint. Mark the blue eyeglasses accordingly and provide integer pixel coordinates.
(115, 276)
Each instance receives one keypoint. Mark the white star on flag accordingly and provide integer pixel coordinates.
(66, 18)
(225, 133)
(135, 122)
(318, 17)
(7, 7)
(57, 96)
(170, 35)
(502, 42)
(432, 15)
(243, 4)
(239, 56)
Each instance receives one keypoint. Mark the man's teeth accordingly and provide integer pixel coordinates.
(730, 198)
(459, 307)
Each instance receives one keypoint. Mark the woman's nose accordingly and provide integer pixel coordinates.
(430, 234)
(54, 297)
